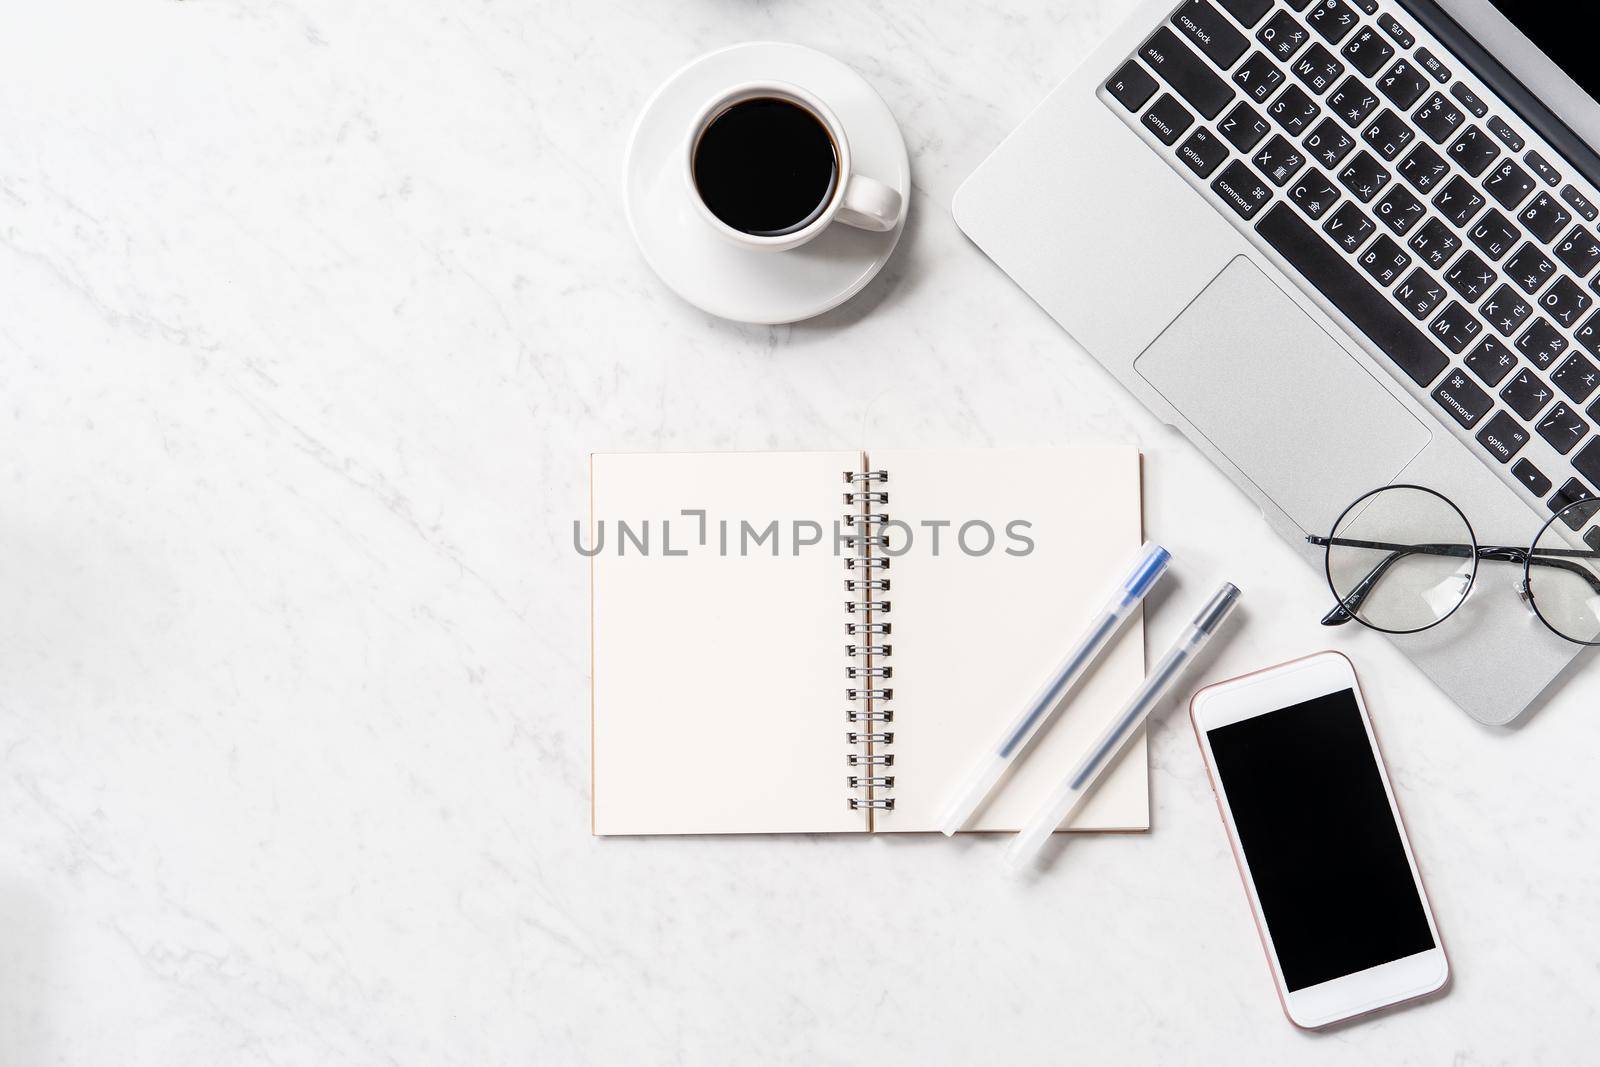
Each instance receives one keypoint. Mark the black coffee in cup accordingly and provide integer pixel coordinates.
(766, 166)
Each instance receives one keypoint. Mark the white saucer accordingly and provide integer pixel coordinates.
(708, 270)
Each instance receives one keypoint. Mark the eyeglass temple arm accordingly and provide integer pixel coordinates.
(1345, 610)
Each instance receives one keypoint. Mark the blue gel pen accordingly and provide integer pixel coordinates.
(1147, 569)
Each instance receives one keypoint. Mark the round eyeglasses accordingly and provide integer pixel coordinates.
(1403, 558)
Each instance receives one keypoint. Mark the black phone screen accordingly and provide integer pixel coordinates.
(1320, 839)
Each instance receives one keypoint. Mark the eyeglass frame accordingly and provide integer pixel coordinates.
(1343, 613)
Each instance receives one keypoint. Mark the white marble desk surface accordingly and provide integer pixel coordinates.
(313, 312)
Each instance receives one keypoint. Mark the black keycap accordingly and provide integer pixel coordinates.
(1455, 327)
(1131, 85)
(1591, 537)
(1367, 52)
(1502, 436)
(1403, 84)
(1352, 102)
(1349, 227)
(1363, 176)
(1587, 462)
(1317, 69)
(1397, 33)
(1313, 193)
(1387, 134)
(1458, 201)
(1258, 77)
(1211, 32)
(1419, 293)
(1541, 166)
(1469, 276)
(1167, 119)
(1579, 250)
(1508, 137)
(1384, 261)
(1531, 477)
(1279, 160)
(1430, 63)
(1473, 151)
(1298, 5)
(1577, 377)
(1541, 344)
(1562, 427)
(1544, 217)
(1186, 72)
(1399, 210)
(1248, 12)
(1505, 311)
(1369, 6)
(1580, 203)
(1572, 492)
(1283, 36)
(1437, 118)
(1241, 190)
(1434, 243)
(1564, 302)
(1491, 361)
(1333, 19)
(1242, 127)
(1383, 323)
(1526, 394)
(1465, 402)
(1588, 334)
(1423, 168)
(1469, 100)
(1202, 152)
(1293, 110)
(1529, 268)
(1328, 143)
(1493, 234)
(1509, 184)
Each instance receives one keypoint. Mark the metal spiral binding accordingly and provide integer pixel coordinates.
(869, 715)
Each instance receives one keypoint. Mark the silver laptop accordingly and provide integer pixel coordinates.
(1340, 244)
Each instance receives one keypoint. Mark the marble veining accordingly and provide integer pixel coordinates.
(314, 313)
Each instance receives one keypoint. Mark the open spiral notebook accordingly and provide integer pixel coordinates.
(824, 641)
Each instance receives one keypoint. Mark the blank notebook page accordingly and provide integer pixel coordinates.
(719, 679)
(975, 635)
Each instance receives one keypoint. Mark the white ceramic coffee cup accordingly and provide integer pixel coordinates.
(857, 200)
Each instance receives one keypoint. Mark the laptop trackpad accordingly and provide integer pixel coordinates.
(1276, 395)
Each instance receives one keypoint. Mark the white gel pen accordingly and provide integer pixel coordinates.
(1149, 567)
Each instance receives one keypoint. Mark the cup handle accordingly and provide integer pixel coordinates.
(869, 204)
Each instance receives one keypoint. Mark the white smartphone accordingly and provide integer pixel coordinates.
(1319, 841)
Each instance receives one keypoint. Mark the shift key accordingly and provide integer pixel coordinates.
(1186, 72)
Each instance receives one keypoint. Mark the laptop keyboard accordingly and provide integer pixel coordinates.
(1412, 202)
